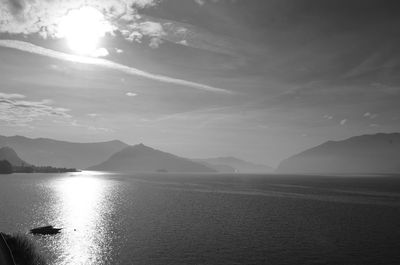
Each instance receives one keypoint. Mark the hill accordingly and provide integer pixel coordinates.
(49, 152)
(378, 153)
(233, 164)
(7, 153)
(141, 158)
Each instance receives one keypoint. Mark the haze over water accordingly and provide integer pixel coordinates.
(206, 219)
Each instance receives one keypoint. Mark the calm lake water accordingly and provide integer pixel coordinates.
(205, 219)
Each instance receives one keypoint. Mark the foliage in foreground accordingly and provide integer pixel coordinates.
(24, 250)
(7, 168)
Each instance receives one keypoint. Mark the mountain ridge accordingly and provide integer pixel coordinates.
(236, 165)
(373, 153)
(141, 158)
(7, 153)
(57, 153)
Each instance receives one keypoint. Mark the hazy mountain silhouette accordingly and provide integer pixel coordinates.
(232, 164)
(141, 158)
(7, 153)
(42, 151)
(378, 153)
(218, 167)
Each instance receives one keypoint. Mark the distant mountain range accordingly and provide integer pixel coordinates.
(10, 162)
(379, 153)
(234, 165)
(141, 158)
(48, 152)
(7, 153)
(55, 153)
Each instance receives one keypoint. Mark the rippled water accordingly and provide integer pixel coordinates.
(205, 219)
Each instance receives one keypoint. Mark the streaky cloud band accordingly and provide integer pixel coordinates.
(32, 48)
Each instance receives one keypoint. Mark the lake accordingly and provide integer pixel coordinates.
(206, 219)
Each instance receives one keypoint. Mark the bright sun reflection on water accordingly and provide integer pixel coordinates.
(82, 214)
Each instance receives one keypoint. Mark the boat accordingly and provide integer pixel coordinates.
(45, 230)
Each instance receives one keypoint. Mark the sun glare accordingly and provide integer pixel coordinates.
(83, 28)
(82, 205)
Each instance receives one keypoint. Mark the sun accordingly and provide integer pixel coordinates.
(83, 28)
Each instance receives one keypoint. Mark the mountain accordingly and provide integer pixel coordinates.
(7, 153)
(43, 151)
(217, 167)
(378, 153)
(141, 158)
(233, 164)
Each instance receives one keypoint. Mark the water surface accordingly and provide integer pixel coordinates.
(206, 219)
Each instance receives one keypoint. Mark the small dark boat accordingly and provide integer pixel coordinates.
(45, 230)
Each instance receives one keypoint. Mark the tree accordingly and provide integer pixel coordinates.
(5, 167)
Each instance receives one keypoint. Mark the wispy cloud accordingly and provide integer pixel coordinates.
(75, 123)
(16, 110)
(195, 37)
(87, 127)
(4, 96)
(31, 48)
(189, 115)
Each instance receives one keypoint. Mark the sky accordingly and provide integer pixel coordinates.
(256, 79)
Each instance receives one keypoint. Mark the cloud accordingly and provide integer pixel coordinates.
(203, 2)
(155, 42)
(131, 94)
(198, 114)
(386, 89)
(26, 16)
(101, 52)
(183, 42)
(152, 30)
(11, 96)
(196, 37)
(200, 2)
(370, 115)
(96, 129)
(46, 17)
(16, 111)
(31, 48)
